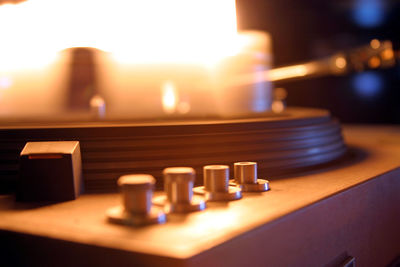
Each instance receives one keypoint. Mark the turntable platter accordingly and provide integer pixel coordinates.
(281, 144)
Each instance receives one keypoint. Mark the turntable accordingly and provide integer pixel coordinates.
(333, 198)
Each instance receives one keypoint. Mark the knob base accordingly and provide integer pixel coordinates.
(118, 215)
(196, 204)
(234, 193)
(261, 186)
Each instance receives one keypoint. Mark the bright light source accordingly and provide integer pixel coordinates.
(135, 31)
(98, 106)
(5, 82)
(291, 71)
(170, 97)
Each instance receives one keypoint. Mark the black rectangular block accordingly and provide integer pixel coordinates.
(50, 171)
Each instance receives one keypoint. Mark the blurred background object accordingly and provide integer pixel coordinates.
(166, 59)
(11, 1)
(304, 30)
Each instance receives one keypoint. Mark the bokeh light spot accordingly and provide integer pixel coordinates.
(368, 84)
(369, 13)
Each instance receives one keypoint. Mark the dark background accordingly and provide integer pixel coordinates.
(305, 30)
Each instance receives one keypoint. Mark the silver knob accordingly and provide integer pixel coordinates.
(216, 178)
(137, 208)
(137, 192)
(246, 177)
(245, 172)
(178, 186)
(216, 184)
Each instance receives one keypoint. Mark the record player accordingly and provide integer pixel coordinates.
(139, 103)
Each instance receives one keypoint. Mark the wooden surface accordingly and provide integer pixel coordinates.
(280, 143)
(352, 207)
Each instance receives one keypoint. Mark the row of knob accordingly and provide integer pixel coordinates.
(180, 196)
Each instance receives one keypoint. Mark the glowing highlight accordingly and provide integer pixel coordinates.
(134, 31)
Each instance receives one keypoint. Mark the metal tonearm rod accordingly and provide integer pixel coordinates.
(378, 54)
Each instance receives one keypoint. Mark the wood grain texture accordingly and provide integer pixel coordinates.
(311, 219)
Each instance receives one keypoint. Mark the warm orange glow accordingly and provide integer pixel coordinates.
(213, 220)
(374, 62)
(277, 74)
(375, 44)
(163, 57)
(290, 72)
(170, 97)
(387, 54)
(278, 106)
(135, 31)
(340, 62)
(98, 106)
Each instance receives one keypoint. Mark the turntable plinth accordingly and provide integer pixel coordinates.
(322, 217)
